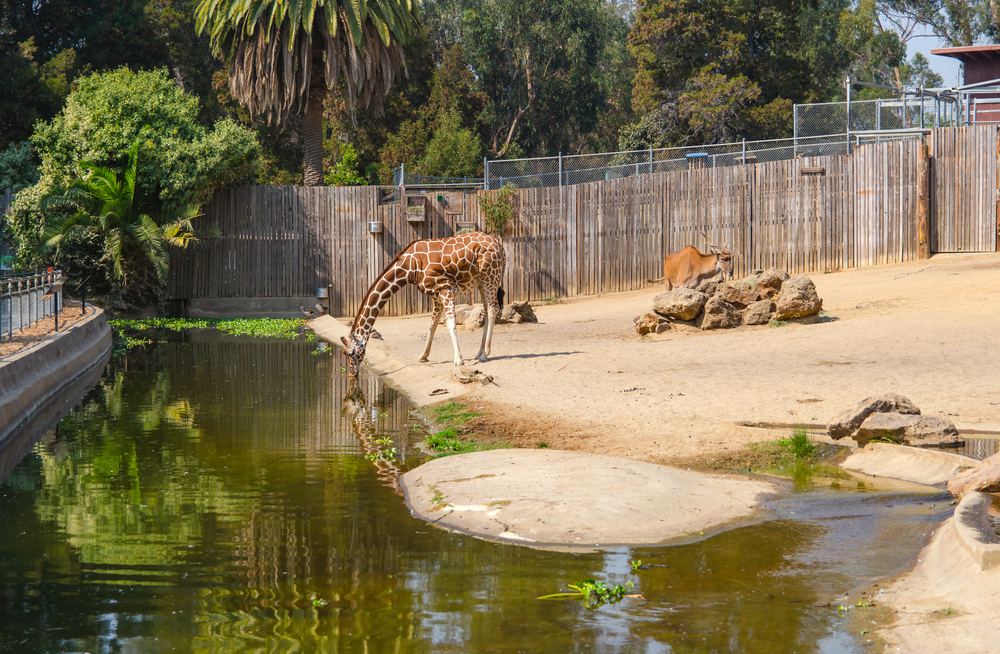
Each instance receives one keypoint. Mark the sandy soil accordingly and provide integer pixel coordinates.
(582, 379)
(535, 497)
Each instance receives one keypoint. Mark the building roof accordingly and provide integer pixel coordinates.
(971, 52)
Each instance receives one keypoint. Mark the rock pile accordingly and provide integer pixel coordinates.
(471, 317)
(754, 300)
(894, 418)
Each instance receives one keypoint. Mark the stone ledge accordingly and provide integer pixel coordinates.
(29, 378)
(972, 526)
(931, 467)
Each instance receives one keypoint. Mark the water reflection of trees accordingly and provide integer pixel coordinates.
(212, 495)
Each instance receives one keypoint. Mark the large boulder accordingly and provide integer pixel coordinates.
(885, 426)
(719, 314)
(933, 431)
(650, 323)
(984, 477)
(768, 283)
(709, 286)
(848, 422)
(518, 312)
(738, 293)
(758, 313)
(474, 318)
(680, 303)
(797, 299)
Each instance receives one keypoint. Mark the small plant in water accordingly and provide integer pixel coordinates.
(636, 565)
(799, 445)
(318, 602)
(593, 593)
(385, 451)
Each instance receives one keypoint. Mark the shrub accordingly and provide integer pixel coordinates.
(498, 209)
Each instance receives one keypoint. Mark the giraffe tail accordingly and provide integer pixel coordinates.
(500, 294)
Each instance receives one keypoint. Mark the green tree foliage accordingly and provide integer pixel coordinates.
(453, 150)
(543, 68)
(181, 161)
(17, 167)
(917, 72)
(345, 172)
(717, 70)
(104, 202)
(282, 57)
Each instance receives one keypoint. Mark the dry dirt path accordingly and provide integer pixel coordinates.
(582, 379)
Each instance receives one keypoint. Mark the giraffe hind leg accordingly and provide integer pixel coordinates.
(491, 300)
(435, 318)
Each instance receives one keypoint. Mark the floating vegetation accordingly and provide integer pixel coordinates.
(593, 594)
(128, 329)
(384, 450)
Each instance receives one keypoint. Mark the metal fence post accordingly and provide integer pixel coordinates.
(847, 82)
(651, 158)
(486, 174)
(744, 151)
(560, 169)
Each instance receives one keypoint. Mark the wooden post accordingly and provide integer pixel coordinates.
(923, 203)
(996, 192)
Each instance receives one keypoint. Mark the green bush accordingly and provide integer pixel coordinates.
(17, 167)
(181, 161)
(453, 151)
(346, 171)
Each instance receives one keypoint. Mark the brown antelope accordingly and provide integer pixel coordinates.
(689, 267)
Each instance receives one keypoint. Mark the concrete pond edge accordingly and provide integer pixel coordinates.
(32, 377)
(971, 523)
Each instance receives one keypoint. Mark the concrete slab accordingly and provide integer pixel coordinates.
(553, 497)
(930, 467)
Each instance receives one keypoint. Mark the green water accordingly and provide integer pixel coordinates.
(210, 495)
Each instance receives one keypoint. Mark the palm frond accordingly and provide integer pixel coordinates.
(147, 233)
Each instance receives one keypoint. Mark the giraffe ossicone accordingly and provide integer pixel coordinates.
(441, 268)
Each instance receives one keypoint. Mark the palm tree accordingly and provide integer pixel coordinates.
(105, 201)
(283, 56)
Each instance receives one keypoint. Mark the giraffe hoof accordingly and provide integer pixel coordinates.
(422, 359)
(483, 358)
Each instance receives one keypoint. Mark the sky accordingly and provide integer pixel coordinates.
(946, 67)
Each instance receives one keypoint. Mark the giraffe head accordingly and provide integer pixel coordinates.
(354, 350)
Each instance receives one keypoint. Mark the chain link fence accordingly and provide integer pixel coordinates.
(581, 168)
(826, 118)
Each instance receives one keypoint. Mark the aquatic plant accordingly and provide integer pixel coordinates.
(384, 450)
(798, 445)
(593, 593)
(636, 565)
(287, 328)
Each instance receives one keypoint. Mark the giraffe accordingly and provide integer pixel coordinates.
(441, 268)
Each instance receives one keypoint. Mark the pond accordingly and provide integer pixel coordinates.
(211, 494)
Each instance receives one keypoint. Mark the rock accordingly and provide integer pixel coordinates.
(846, 423)
(797, 299)
(651, 323)
(518, 312)
(461, 313)
(709, 286)
(758, 313)
(474, 319)
(738, 293)
(933, 431)
(680, 303)
(985, 477)
(768, 283)
(885, 426)
(719, 314)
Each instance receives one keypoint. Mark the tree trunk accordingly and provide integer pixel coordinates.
(312, 139)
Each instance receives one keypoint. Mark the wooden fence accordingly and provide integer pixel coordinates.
(800, 215)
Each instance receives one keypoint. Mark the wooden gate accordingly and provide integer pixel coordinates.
(964, 189)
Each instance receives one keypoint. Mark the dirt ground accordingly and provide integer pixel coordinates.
(69, 315)
(581, 379)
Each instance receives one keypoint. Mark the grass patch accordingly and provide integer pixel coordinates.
(452, 437)
(777, 323)
(795, 457)
(453, 414)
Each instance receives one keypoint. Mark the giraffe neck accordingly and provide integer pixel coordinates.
(390, 281)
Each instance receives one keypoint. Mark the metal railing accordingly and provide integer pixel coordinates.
(403, 177)
(27, 299)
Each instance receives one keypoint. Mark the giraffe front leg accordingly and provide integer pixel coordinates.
(448, 298)
(435, 317)
(492, 311)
